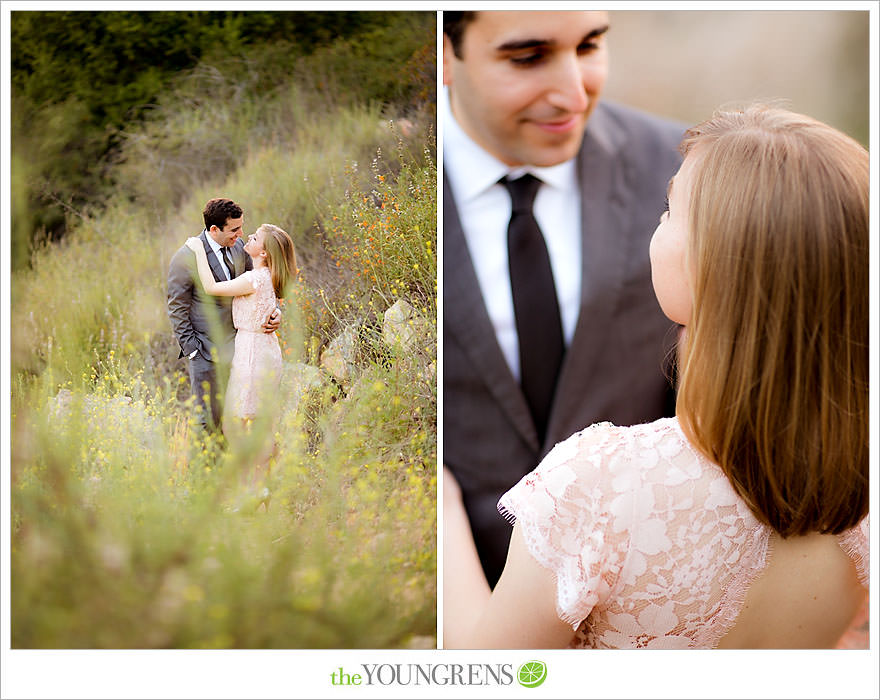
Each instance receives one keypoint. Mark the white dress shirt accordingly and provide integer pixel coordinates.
(484, 208)
(215, 246)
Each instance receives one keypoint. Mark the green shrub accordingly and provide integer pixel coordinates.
(181, 96)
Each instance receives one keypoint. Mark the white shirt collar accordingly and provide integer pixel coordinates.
(472, 170)
(215, 246)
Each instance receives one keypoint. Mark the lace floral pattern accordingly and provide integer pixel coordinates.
(855, 544)
(250, 310)
(650, 545)
(256, 364)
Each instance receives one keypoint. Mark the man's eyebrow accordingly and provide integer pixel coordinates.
(518, 44)
(597, 32)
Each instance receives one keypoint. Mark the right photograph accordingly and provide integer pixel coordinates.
(655, 296)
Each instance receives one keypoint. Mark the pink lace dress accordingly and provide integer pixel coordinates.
(649, 543)
(256, 364)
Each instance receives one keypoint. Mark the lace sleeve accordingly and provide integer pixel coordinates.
(855, 543)
(251, 277)
(568, 514)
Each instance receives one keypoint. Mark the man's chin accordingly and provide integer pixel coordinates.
(548, 156)
(552, 149)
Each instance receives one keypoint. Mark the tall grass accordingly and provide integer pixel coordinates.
(124, 532)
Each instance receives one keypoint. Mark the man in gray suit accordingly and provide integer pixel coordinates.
(522, 107)
(201, 322)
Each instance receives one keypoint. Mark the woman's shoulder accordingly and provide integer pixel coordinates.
(606, 459)
(609, 433)
(617, 465)
(259, 276)
(620, 449)
(855, 542)
(592, 502)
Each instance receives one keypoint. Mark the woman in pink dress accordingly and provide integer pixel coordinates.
(256, 363)
(742, 522)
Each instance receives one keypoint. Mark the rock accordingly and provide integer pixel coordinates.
(118, 416)
(59, 405)
(404, 126)
(402, 326)
(339, 357)
(304, 377)
(297, 380)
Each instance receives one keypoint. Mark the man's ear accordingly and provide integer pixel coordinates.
(448, 58)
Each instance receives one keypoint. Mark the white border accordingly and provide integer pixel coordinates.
(440, 404)
(305, 673)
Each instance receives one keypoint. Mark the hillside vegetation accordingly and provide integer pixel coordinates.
(123, 534)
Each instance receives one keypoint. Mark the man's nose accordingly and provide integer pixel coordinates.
(567, 90)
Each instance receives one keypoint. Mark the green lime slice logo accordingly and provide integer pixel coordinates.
(532, 673)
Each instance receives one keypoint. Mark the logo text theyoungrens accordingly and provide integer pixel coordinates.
(425, 674)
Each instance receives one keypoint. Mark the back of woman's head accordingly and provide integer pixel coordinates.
(774, 367)
(280, 256)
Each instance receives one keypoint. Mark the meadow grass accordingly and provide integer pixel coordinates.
(124, 533)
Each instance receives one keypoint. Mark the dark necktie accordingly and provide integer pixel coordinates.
(538, 323)
(226, 259)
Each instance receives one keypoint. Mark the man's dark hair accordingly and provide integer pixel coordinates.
(218, 211)
(454, 24)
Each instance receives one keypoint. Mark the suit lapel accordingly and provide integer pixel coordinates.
(465, 316)
(239, 257)
(604, 217)
(213, 262)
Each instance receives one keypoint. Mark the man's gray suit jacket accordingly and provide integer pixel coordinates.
(616, 366)
(195, 314)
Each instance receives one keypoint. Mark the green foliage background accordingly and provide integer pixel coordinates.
(123, 529)
(80, 80)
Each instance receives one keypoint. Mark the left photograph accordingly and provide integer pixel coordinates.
(223, 330)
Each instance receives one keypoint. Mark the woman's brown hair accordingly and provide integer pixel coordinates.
(774, 365)
(280, 256)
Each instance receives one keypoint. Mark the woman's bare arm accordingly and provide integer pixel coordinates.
(519, 614)
(465, 589)
(236, 287)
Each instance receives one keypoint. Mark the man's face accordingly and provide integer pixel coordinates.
(230, 232)
(527, 82)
